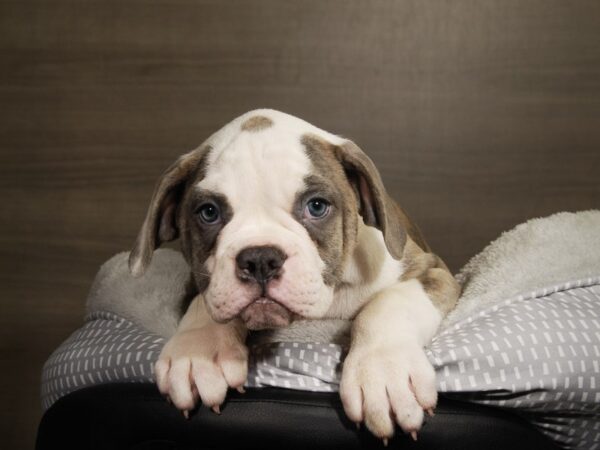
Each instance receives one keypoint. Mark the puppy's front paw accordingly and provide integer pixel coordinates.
(388, 385)
(201, 364)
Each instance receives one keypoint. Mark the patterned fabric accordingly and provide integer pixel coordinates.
(538, 354)
(296, 365)
(106, 349)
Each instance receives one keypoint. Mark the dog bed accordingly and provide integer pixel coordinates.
(525, 334)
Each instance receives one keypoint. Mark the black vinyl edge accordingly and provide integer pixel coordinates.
(457, 411)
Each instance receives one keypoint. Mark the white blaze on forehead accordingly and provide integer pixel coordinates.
(264, 169)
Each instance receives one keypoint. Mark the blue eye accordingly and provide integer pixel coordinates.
(317, 208)
(209, 213)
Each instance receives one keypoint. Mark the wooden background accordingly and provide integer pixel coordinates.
(479, 114)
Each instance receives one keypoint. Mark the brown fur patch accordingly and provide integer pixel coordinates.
(430, 270)
(442, 288)
(160, 224)
(328, 161)
(198, 240)
(257, 123)
(369, 257)
(335, 239)
(376, 207)
(416, 261)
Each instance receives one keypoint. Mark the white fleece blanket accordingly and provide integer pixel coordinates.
(539, 253)
(525, 334)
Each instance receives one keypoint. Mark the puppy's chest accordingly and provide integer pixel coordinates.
(350, 298)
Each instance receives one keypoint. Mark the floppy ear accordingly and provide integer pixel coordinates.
(376, 207)
(160, 224)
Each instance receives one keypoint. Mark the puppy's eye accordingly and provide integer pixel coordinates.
(317, 208)
(208, 213)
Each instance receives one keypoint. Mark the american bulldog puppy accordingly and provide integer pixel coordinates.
(283, 222)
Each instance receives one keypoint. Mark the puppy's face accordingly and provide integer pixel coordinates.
(267, 211)
(265, 230)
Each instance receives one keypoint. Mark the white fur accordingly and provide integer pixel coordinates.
(202, 360)
(386, 368)
(260, 173)
(370, 270)
(286, 123)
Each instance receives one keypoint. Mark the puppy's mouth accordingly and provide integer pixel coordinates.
(264, 313)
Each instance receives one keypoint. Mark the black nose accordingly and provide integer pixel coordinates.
(260, 264)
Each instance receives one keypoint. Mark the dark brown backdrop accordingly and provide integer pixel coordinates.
(479, 114)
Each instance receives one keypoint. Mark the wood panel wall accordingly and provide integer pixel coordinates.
(479, 114)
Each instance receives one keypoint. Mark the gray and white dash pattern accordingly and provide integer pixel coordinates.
(537, 353)
(107, 348)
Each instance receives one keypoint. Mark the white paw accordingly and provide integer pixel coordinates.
(385, 386)
(201, 364)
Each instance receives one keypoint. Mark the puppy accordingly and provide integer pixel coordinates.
(281, 221)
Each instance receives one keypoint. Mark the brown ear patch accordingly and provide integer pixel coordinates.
(256, 123)
(160, 224)
(375, 205)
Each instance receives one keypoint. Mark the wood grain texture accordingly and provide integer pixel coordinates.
(479, 114)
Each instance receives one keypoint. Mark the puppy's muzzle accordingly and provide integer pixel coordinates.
(260, 265)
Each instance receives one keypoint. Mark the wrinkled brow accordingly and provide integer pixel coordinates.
(316, 183)
(201, 195)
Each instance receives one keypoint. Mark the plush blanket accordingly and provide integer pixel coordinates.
(525, 334)
(539, 253)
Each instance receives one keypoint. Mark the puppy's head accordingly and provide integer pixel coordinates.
(267, 211)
